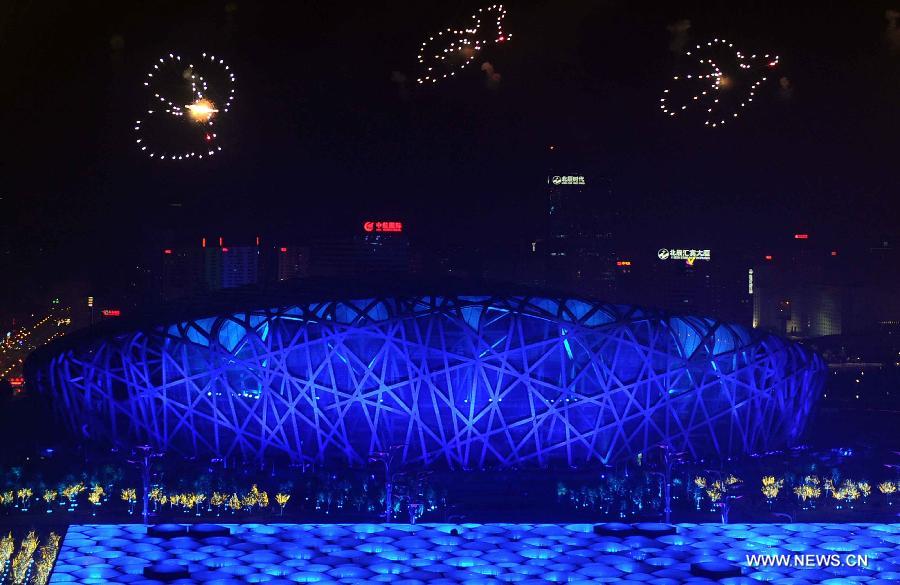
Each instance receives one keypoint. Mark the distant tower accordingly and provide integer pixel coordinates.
(579, 240)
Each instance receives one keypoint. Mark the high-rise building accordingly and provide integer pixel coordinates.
(379, 247)
(806, 289)
(293, 262)
(240, 266)
(182, 272)
(376, 249)
(578, 246)
(196, 269)
(704, 281)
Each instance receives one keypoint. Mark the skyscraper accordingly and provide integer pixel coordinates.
(579, 242)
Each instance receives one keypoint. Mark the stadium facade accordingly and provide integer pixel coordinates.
(461, 381)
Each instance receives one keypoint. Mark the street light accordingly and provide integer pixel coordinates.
(142, 455)
(387, 458)
(669, 460)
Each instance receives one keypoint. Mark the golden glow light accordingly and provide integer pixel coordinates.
(202, 110)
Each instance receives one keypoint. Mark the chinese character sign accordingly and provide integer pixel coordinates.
(681, 254)
(383, 226)
(567, 180)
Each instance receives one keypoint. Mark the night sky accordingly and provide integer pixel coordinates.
(323, 134)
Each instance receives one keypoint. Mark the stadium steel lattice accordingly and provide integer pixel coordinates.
(459, 381)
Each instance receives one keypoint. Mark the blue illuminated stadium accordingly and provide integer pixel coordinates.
(460, 380)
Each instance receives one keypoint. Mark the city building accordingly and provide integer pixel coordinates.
(293, 262)
(368, 252)
(578, 246)
(215, 264)
(695, 280)
(808, 289)
(207, 267)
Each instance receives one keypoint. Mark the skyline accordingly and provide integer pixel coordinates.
(324, 135)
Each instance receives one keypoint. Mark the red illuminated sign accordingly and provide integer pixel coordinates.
(623, 263)
(111, 312)
(167, 251)
(224, 249)
(383, 226)
(284, 249)
(769, 257)
(17, 382)
(801, 236)
(834, 252)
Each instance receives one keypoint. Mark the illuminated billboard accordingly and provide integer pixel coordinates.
(566, 180)
(383, 226)
(682, 254)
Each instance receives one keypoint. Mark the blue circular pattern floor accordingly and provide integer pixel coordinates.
(481, 553)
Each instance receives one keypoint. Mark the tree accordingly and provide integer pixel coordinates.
(282, 500)
(129, 496)
(722, 492)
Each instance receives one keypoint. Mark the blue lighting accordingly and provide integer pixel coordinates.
(464, 382)
(482, 553)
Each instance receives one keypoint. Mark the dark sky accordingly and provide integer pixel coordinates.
(321, 137)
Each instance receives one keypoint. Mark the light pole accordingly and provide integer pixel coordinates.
(143, 454)
(387, 458)
(669, 459)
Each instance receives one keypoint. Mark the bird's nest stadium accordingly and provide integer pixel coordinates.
(463, 376)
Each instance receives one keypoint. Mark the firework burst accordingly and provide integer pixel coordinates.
(188, 102)
(718, 83)
(447, 52)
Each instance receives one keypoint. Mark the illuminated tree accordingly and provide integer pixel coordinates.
(771, 487)
(716, 491)
(722, 493)
(282, 500)
(187, 501)
(94, 497)
(156, 494)
(234, 502)
(22, 560)
(49, 497)
(70, 492)
(848, 492)
(252, 498)
(248, 501)
(887, 488)
(218, 500)
(129, 496)
(7, 547)
(198, 499)
(828, 486)
(44, 565)
(864, 488)
(24, 495)
(807, 492)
